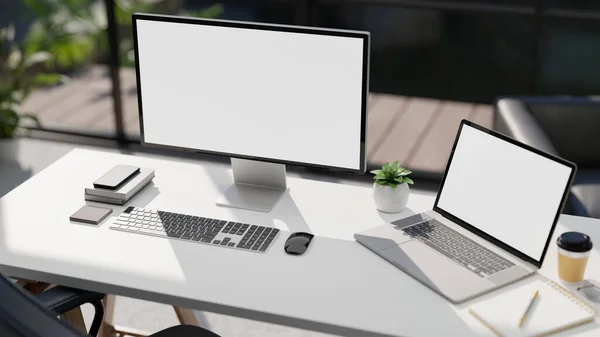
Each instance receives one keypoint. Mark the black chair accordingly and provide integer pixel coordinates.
(563, 126)
(23, 315)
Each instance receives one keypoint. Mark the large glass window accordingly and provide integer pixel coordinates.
(570, 57)
(580, 5)
(54, 65)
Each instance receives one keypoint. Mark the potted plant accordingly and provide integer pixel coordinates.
(390, 190)
(17, 80)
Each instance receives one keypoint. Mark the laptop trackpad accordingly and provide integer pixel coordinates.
(436, 271)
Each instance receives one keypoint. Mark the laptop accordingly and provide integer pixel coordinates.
(492, 220)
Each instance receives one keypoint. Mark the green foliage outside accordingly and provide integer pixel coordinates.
(74, 31)
(17, 83)
(392, 175)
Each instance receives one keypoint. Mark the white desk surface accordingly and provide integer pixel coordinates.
(337, 286)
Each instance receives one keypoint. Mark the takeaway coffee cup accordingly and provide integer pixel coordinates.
(573, 252)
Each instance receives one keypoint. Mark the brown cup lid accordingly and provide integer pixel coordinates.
(574, 242)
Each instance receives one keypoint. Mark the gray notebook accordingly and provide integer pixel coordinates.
(128, 190)
(91, 215)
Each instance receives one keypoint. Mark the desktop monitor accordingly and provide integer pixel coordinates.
(265, 95)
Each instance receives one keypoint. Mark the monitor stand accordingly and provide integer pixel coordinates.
(257, 185)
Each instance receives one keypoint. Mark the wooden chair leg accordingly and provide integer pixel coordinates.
(186, 316)
(75, 318)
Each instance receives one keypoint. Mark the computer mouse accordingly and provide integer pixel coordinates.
(297, 243)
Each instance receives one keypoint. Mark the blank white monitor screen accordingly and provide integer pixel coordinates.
(284, 96)
(504, 190)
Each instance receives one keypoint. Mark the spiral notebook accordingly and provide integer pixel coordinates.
(554, 310)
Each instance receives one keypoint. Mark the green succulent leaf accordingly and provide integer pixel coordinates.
(391, 174)
(405, 172)
(380, 176)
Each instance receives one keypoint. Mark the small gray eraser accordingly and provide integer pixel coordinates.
(90, 214)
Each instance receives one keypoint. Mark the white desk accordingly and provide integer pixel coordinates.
(337, 286)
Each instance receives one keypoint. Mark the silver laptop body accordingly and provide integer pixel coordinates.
(460, 258)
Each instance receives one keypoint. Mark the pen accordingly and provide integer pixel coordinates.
(535, 294)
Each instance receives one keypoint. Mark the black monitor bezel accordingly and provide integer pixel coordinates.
(481, 233)
(365, 36)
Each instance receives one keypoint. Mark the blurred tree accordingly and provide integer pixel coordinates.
(17, 82)
(64, 28)
(74, 31)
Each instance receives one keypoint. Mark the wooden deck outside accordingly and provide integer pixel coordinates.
(416, 131)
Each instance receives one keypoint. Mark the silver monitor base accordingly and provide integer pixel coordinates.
(257, 186)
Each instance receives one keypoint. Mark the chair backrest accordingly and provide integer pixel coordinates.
(572, 127)
(21, 315)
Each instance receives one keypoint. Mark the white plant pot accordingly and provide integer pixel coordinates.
(391, 200)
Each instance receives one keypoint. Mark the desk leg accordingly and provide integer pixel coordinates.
(107, 328)
(186, 316)
(75, 318)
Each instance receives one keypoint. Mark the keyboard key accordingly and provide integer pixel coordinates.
(206, 240)
(231, 244)
(224, 243)
(217, 242)
(240, 232)
(151, 232)
(254, 247)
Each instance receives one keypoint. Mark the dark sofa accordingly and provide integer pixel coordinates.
(566, 127)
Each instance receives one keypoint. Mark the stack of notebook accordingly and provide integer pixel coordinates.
(122, 194)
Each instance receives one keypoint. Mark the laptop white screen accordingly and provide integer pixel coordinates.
(504, 190)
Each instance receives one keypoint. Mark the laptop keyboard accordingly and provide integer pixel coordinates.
(458, 248)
